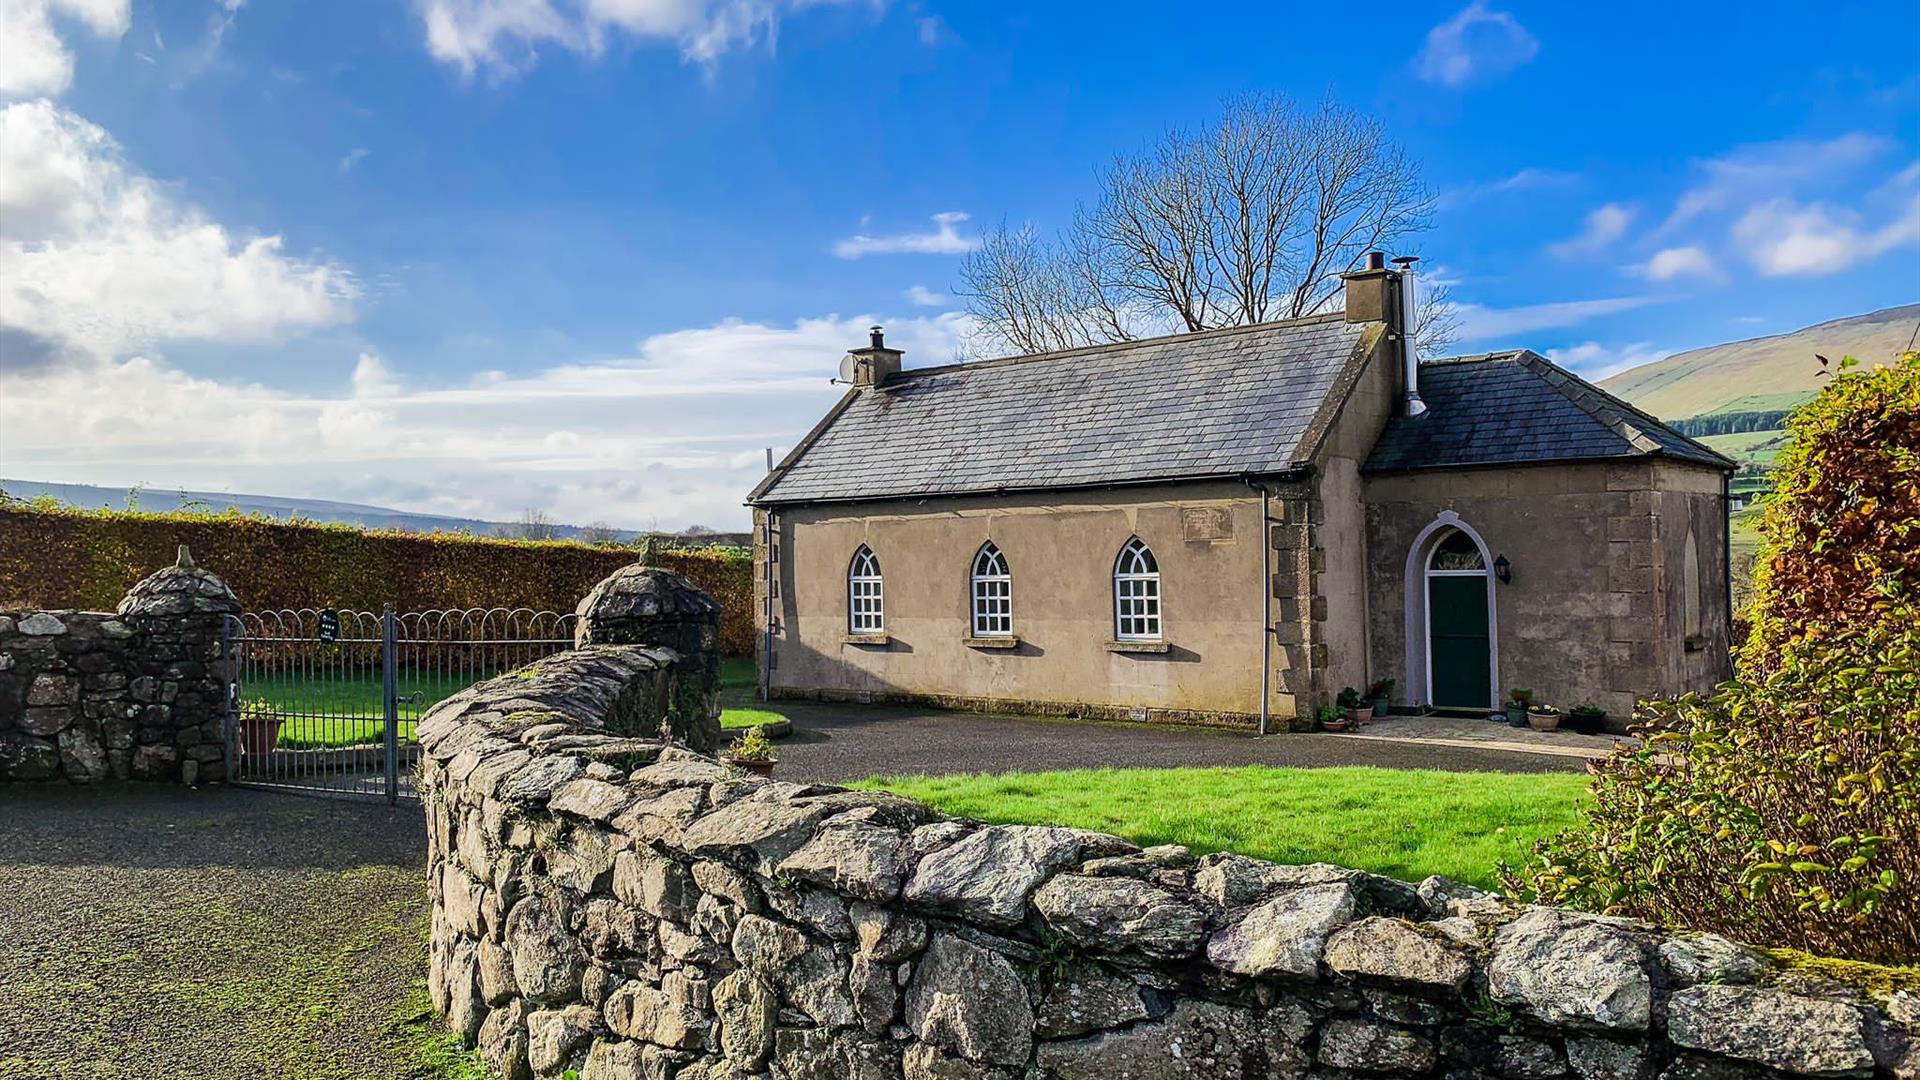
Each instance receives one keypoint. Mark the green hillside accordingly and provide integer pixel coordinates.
(1761, 374)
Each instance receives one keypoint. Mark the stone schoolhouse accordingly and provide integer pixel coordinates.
(1231, 526)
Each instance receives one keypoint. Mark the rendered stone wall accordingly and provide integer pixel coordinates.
(607, 903)
(139, 693)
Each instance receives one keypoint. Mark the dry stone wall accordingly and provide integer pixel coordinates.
(137, 693)
(631, 909)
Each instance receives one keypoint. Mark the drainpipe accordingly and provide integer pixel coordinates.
(1266, 601)
(766, 648)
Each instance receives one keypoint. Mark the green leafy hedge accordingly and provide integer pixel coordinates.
(87, 559)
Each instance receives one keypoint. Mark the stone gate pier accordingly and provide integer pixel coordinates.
(136, 693)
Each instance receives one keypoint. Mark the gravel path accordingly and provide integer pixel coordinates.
(841, 743)
(155, 931)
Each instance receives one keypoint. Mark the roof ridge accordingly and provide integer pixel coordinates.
(1120, 346)
(1616, 414)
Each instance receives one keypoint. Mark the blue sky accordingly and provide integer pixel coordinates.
(471, 256)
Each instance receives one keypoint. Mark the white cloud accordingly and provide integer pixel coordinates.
(1782, 238)
(504, 37)
(921, 296)
(352, 158)
(945, 239)
(1594, 361)
(1480, 324)
(673, 433)
(96, 255)
(1678, 262)
(33, 59)
(1767, 170)
(1477, 43)
(1602, 227)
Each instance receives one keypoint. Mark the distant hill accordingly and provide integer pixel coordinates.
(91, 497)
(1761, 374)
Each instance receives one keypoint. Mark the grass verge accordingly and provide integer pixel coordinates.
(1407, 823)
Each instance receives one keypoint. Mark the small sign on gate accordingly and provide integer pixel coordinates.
(329, 626)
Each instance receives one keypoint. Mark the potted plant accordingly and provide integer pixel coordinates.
(1587, 719)
(1332, 719)
(259, 728)
(1517, 702)
(1359, 710)
(1381, 695)
(1543, 717)
(753, 753)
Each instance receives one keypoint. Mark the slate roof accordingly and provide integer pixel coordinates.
(1250, 400)
(1516, 407)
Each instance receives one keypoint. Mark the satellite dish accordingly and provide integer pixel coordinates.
(848, 365)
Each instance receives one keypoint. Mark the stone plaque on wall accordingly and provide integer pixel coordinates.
(1206, 523)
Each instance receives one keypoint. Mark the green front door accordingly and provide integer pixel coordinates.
(1457, 628)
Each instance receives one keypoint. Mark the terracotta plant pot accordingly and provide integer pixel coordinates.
(757, 768)
(259, 735)
(1336, 725)
(1539, 721)
(1360, 717)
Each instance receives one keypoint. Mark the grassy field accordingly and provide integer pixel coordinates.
(1404, 823)
(1755, 447)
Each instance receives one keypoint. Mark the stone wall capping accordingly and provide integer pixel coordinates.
(609, 902)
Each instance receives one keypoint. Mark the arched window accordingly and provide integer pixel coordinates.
(1136, 593)
(1693, 596)
(866, 605)
(992, 594)
(1457, 554)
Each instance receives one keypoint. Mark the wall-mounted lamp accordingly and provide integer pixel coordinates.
(1503, 569)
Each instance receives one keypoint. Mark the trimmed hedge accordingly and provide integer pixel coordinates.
(87, 559)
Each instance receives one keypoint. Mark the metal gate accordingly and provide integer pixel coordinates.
(325, 700)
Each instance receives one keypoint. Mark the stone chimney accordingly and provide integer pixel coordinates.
(872, 365)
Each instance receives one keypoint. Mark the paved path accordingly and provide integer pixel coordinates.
(151, 931)
(840, 743)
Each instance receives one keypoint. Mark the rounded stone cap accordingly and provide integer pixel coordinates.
(180, 589)
(631, 604)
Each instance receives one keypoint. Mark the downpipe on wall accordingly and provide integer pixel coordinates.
(1266, 600)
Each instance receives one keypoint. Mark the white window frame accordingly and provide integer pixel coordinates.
(991, 594)
(1137, 611)
(866, 594)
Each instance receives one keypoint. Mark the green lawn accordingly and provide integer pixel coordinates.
(350, 704)
(740, 704)
(1406, 823)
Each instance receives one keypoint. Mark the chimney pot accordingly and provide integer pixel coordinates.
(1376, 260)
(877, 336)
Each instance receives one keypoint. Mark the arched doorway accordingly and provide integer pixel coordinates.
(1452, 643)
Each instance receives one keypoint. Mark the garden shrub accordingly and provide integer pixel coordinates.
(1841, 531)
(58, 557)
(1785, 807)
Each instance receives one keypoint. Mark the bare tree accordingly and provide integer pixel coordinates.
(534, 524)
(599, 532)
(1250, 220)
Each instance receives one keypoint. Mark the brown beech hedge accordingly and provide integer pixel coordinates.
(86, 559)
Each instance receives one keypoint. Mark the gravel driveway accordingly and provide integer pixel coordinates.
(841, 743)
(151, 931)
